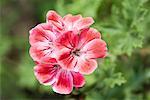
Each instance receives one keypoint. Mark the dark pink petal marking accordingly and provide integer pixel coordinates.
(45, 73)
(78, 79)
(68, 40)
(64, 83)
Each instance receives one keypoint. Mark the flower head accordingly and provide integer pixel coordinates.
(65, 48)
(79, 50)
(49, 72)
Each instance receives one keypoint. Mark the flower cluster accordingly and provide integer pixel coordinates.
(64, 50)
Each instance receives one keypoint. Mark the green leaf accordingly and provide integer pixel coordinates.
(115, 79)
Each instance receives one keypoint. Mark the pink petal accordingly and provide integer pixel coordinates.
(45, 73)
(48, 60)
(87, 35)
(38, 34)
(53, 16)
(85, 23)
(66, 60)
(87, 66)
(36, 54)
(78, 79)
(68, 40)
(55, 28)
(64, 53)
(95, 49)
(46, 26)
(70, 21)
(41, 50)
(64, 82)
(55, 21)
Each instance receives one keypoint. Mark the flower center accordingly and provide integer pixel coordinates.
(56, 66)
(76, 52)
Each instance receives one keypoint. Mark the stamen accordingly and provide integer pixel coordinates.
(56, 65)
(76, 52)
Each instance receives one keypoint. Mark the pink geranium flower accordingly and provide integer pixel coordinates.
(79, 50)
(42, 42)
(65, 48)
(49, 72)
(42, 36)
(68, 22)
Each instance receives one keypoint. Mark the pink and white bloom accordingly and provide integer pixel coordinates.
(65, 48)
(68, 22)
(80, 50)
(42, 42)
(42, 36)
(49, 72)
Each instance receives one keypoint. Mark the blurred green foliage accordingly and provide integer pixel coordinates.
(123, 75)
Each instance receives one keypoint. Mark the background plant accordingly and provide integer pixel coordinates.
(124, 25)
